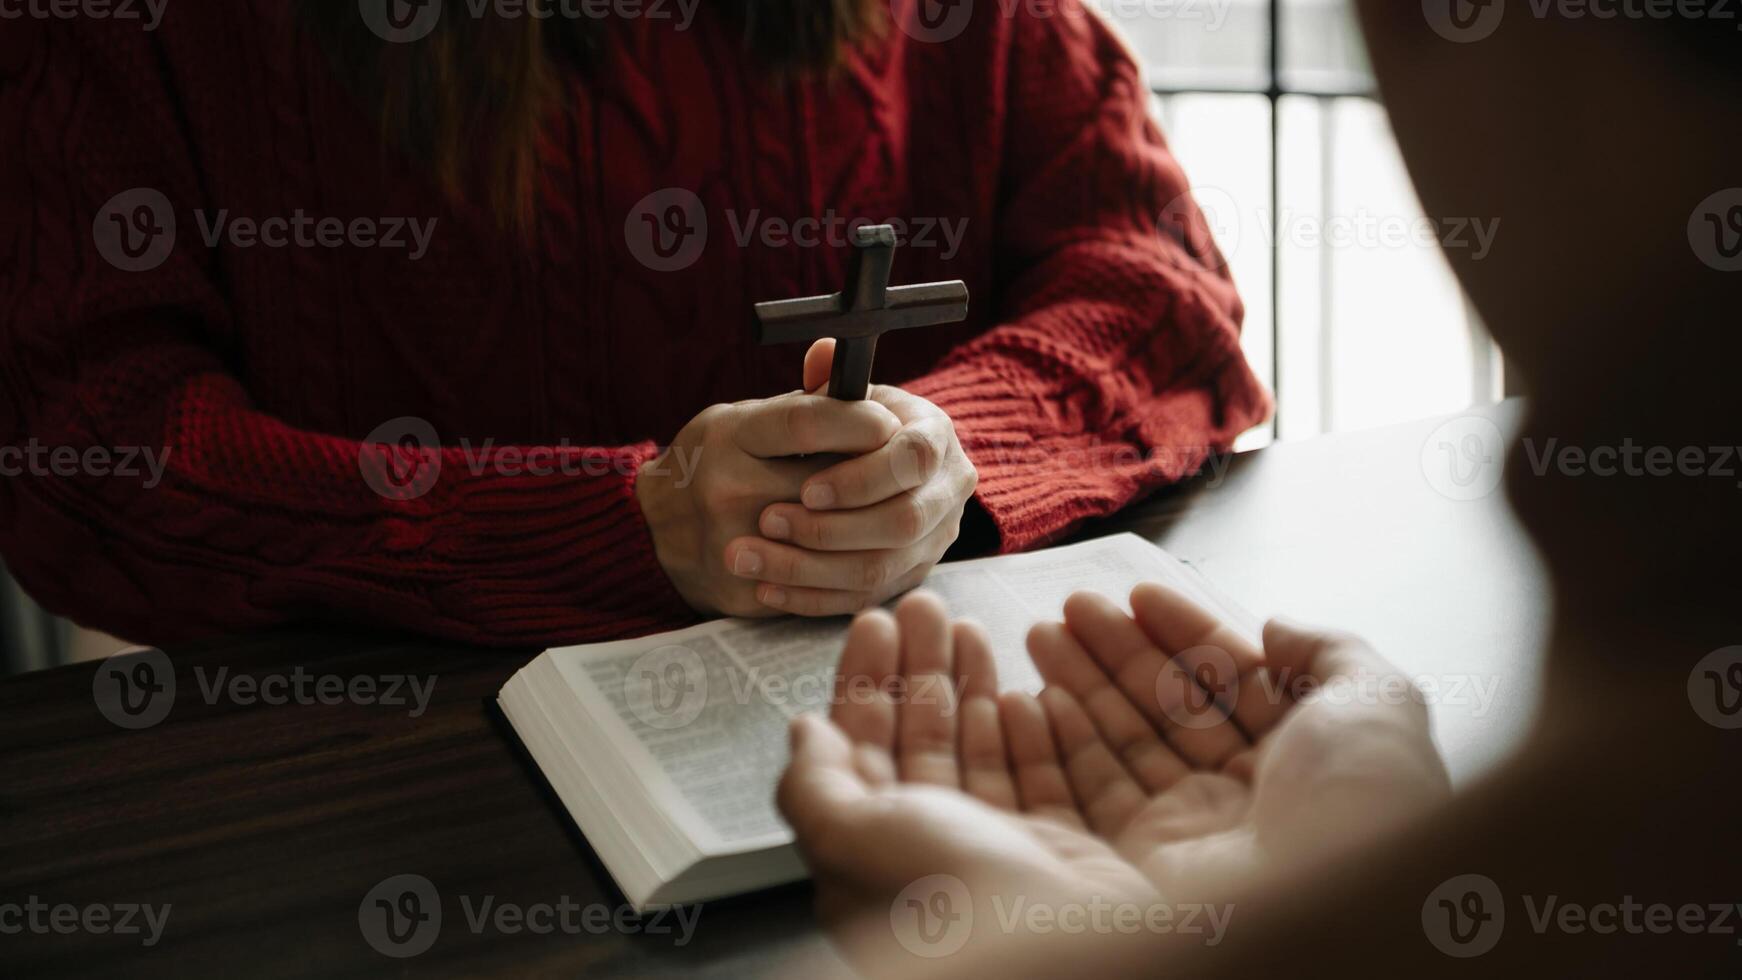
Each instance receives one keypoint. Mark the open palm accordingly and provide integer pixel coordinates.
(1167, 758)
(1200, 757)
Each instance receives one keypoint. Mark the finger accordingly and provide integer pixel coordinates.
(892, 523)
(1178, 625)
(1185, 713)
(1101, 784)
(852, 571)
(1041, 786)
(798, 424)
(985, 765)
(820, 783)
(1315, 659)
(925, 732)
(800, 601)
(863, 705)
(909, 458)
(1063, 663)
(976, 670)
(818, 362)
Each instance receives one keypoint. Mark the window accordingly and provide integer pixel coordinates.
(1353, 314)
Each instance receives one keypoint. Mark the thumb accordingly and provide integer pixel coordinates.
(820, 782)
(817, 362)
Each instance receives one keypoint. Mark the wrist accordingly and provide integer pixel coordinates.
(675, 544)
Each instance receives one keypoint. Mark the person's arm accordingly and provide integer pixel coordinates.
(236, 520)
(1116, 367)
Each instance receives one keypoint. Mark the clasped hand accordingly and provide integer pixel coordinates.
(804, 504)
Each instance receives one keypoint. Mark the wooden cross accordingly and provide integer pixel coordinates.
(867, 309)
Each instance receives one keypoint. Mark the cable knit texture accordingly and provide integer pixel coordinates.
(1102, 358)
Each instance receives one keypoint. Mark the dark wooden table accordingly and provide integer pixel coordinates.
(263, 827)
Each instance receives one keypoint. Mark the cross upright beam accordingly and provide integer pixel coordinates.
(865, 310)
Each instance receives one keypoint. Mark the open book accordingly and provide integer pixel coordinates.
(666, 749)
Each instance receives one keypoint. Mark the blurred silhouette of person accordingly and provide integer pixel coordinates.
(1318, 819)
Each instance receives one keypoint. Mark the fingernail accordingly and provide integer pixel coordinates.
(776, 527)
(819, 496)
(773, 596)
(747, 563)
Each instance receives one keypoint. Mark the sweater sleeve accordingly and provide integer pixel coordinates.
(144, 493)
(1115, 366)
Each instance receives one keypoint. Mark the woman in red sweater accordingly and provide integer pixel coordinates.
(438, 316)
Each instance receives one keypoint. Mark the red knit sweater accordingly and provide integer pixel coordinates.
(1101, 361)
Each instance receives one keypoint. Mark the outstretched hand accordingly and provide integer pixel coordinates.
(1200, 757)
(1168, 759)
(921, 773)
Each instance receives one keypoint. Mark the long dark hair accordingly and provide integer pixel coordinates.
(467, 98)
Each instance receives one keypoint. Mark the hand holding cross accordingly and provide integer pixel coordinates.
(866, 309)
